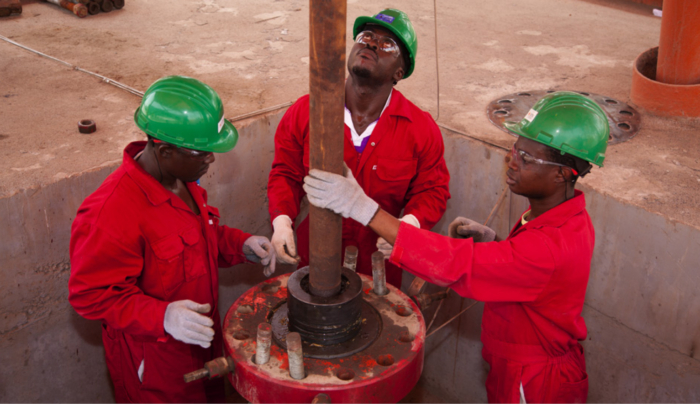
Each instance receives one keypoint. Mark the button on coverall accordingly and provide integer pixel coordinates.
(534, 284)
(135, 247)
(402, 167)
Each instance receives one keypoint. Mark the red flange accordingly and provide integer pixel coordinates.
(384, 372)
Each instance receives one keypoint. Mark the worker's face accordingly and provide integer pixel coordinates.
(367, 60)
(529, 179)
(184, 164)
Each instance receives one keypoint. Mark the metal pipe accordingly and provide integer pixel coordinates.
(93, 7)
(327, 22)
(295, 355)
(350, 258)
(379, 273)
(118, 4)
(264, 341)
(78, 9)
(106, 6)
(679, 46)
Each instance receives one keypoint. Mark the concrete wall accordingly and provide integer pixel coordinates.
(49, 353)
(641, 309)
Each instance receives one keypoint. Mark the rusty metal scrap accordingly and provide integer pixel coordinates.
(9, 7)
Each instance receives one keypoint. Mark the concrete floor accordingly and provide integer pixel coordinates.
(642, 304)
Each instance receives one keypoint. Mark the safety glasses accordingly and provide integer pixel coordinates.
(384, 43)
(523, 157)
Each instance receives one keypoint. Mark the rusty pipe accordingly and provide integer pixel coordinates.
(9, 7)
(106, 6)
(679, 45)
(93, 7)
(424, 300)
(78, 9)
(327, 21)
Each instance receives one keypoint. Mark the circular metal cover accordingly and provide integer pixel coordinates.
(623, 119)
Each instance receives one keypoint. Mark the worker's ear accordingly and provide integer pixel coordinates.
(564, 174)
(398, 74)
(164, 150)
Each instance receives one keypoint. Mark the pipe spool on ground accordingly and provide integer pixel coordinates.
(106, 6)
(93, 7)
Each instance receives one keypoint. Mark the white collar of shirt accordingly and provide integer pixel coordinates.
(357, 139)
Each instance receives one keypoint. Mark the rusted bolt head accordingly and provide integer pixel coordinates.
(87, 126)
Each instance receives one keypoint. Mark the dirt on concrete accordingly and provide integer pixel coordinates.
(255, 54)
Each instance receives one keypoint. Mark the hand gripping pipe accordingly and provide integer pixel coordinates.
(326, 128)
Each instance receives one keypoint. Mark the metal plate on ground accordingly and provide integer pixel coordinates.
(371, 328)
(623, 119)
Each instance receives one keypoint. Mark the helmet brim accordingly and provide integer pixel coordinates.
(364, 20)
(515, 128)
(228, 140)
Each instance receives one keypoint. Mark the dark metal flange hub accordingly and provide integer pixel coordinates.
(330, 327)
(624, 120)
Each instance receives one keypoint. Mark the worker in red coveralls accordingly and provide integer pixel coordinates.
(534, 282)
(146, 247)
(394, 149)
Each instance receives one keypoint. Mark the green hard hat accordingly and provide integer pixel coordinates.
(568, 122)
(186, 112)
(397, 22)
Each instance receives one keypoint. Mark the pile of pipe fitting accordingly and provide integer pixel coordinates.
(82, 8)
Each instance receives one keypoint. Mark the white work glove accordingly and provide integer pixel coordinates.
(385, 247)
(342, 195)
(183, 321)
(282, 237)
(259, 249)
(466, 228)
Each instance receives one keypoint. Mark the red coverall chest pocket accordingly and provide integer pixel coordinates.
(394, 176)
(179, 259)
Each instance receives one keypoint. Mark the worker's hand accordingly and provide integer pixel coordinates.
(282, 237)
(183, 321)
(259, 249)
(385, 247)
(341, 194)
(467, 228)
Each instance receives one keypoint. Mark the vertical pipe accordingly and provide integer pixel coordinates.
(326, 128)
(679, 46)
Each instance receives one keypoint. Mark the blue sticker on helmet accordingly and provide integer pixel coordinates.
(386, 18)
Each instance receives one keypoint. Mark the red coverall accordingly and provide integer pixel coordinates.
(135, 247)
(402, 167)
(534, 284)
